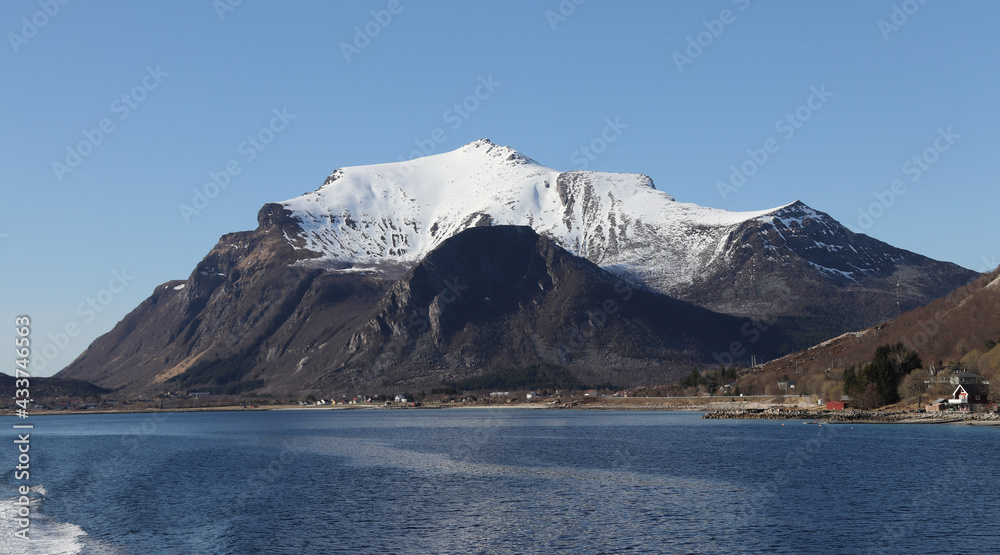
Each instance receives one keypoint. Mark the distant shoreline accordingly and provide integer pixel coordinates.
(784, 414)
(713, 410)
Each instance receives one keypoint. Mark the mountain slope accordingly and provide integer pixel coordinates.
(962, 327)
(245, 311)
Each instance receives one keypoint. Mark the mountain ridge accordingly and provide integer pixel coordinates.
(393, 214)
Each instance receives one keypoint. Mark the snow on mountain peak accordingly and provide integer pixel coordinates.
(489, 148)
(797, 212)
(398, 212)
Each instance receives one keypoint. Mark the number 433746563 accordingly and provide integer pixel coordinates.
(22, 347)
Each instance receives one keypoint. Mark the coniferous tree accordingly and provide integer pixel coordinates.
(878, 381)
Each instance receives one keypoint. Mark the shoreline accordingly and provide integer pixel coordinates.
(856, 416)
(718, 410)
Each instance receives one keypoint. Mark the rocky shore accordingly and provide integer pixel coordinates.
(855, 416)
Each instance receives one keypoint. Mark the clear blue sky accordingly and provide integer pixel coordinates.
(196, 85)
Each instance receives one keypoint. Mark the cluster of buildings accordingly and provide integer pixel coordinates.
(971, 394)
(358, 400)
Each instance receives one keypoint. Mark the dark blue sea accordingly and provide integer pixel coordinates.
(499, 481)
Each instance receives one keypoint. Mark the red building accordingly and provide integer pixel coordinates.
(972, 397)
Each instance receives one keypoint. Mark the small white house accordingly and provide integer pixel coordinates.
(532, 395)
(401, 399)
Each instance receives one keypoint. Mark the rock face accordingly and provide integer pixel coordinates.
(487, 299)
(505, 297)
(238, 322)
(443, 268)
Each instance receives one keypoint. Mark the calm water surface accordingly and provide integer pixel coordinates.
(499, 481)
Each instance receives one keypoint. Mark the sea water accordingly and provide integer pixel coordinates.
(498, 481)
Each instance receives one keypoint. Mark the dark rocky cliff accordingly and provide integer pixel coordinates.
(257, 316)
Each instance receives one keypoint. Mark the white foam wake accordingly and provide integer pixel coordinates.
(46, 536)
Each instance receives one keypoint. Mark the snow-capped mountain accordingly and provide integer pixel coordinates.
(399, 212)
(736, 262)
(377, 279)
